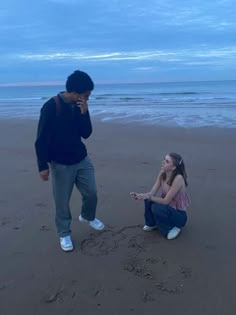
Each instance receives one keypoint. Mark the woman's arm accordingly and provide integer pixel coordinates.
(174, 189)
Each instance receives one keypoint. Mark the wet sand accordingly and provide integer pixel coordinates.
(121, 270)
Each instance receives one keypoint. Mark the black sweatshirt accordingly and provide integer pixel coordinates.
(59, 134)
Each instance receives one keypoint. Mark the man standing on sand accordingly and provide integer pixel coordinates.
(64, 119)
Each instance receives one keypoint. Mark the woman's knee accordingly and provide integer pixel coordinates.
(148, 203)
(159, 209)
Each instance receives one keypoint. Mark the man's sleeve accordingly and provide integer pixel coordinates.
(43, 135)
(85, 125)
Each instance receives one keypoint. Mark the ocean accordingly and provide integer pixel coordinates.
(184, 104)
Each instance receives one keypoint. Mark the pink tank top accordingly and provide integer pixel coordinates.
(181, 201)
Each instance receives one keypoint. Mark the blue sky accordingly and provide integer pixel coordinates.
(118, 40)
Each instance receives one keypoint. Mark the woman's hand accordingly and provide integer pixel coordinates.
(144, 196)
(133, 195)
(140, 196)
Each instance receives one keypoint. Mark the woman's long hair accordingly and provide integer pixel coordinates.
(180, 168)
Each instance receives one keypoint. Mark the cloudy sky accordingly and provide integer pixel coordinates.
(117, 40)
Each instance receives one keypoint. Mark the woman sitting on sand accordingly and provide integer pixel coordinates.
(167, 213)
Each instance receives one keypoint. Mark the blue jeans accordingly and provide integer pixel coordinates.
(163, 217)
(64, 177)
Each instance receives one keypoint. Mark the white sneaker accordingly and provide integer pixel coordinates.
(147, 228)
(66, 243)
(173, 233)
(95, 224)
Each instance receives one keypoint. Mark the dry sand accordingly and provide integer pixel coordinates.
(121, 270)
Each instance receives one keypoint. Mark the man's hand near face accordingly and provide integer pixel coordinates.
(82, 103)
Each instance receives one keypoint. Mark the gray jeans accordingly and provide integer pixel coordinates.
(64, 177)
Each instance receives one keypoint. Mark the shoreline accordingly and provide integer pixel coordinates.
(132, 123)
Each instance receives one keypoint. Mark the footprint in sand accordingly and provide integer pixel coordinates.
(62, 293)
(5, 221)
(14, 223)
(16, 227)
(7, 284)
(44, 228)
(57, 296)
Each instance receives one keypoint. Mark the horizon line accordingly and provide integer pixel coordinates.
(60, 83)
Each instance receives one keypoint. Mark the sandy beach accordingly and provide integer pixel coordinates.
(121, 270)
